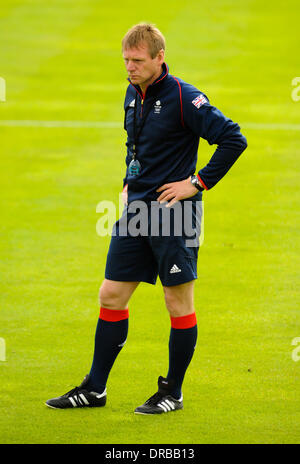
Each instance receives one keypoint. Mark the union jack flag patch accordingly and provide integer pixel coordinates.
(199, 101)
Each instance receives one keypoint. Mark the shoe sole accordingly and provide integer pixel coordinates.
(52, 407)
(156, 413)
(148, 413)
(95, 406)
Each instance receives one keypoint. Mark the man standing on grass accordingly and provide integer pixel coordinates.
(164, 119)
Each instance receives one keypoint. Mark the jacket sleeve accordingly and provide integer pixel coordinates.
(208, 122)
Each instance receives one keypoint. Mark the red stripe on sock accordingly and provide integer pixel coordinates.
(113, 315)
(184, 322)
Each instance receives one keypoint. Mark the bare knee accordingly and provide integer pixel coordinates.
(179, 300)
(109, 297)
(115, 295)
(173, 304)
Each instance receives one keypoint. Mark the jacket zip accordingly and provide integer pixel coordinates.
(142, 103)
(144, 96)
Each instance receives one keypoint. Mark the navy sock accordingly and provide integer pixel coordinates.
(111, 335)
(182, 342)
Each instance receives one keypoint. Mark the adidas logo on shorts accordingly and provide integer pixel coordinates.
(174, 269)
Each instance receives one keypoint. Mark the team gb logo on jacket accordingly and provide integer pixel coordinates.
(157, 107)
(199, 101)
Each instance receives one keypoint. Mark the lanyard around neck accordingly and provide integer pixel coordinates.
(137, 130)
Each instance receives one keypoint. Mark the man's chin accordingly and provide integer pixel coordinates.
(135, 80)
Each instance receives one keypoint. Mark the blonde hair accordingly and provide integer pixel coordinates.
(144, 32)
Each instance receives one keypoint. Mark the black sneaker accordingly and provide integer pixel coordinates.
(162, 401)
(78, 397)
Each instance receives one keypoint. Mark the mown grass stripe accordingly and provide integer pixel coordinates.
(117, 124)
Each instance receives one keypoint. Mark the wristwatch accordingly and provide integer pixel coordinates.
(196, 183)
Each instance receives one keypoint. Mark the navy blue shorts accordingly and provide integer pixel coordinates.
(147, 243)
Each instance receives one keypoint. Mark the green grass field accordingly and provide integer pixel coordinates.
(61, 61)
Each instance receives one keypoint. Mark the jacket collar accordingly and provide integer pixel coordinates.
(165, 72)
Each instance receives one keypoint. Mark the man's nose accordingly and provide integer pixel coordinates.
(130, 66)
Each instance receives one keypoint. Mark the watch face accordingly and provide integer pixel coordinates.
(196, 183)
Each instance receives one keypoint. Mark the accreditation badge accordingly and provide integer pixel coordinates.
(134, 168)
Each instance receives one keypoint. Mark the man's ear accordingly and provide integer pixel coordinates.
(161, 56)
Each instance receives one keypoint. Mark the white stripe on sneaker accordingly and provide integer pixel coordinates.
(73, 402)
(160, 405)
(166, 405)
(84, 399)
(171, 404)
(78, 400)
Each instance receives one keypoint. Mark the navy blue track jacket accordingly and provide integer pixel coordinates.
(168, 144)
